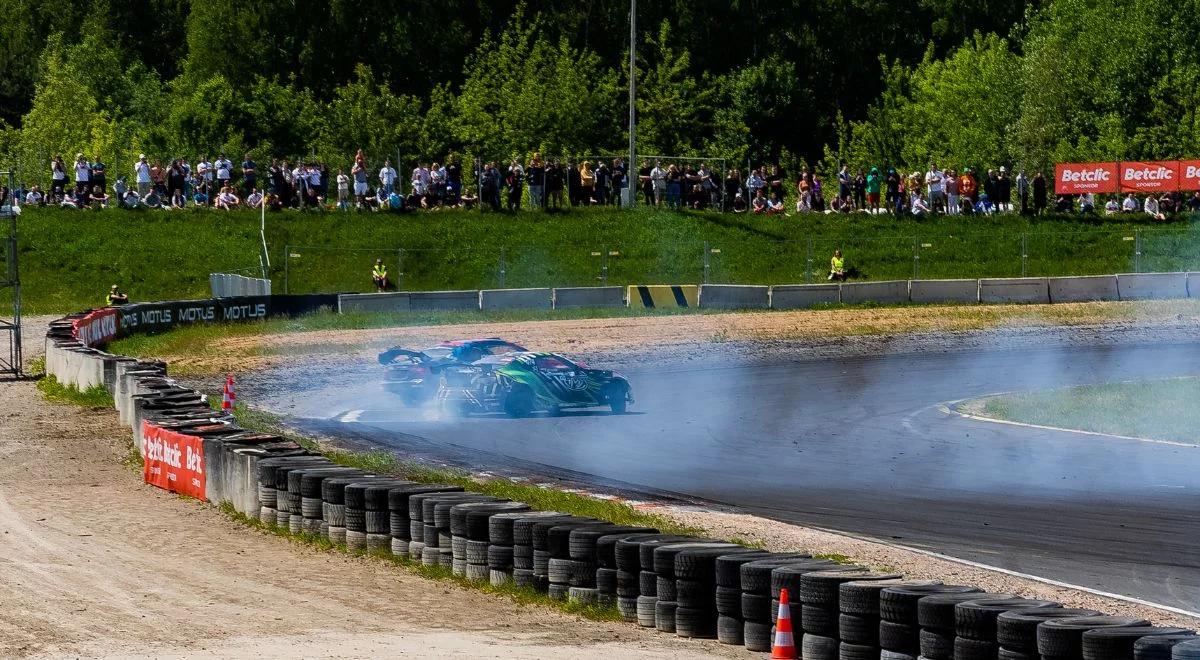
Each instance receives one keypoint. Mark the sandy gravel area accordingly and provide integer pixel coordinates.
(95, 564)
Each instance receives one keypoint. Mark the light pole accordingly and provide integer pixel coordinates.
(631, 169)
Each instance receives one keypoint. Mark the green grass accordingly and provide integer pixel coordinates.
(1159, 409)
(68, 258)
(55, 392)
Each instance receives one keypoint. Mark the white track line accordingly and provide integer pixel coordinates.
(948, 408)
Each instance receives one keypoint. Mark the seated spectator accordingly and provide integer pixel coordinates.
(131, 199)
(1111, 207)
(837, 267)
(1130, 204)
(739, 203)
(775, 206)
(254, 199)
(274, 203)
(1064, 204)
(99, 199)
(1087, 203)
(227, 200)
(918, 206)
(1152, 209)
(35, 197)
(152, 199)
(115, 297)
(1166, 204)
(67, 201)
(1193, 203)
(395, 202)
(760, 202)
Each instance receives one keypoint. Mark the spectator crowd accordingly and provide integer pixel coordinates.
(545, 184)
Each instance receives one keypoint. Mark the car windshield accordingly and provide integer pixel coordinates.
(438, 352)
(553, 363)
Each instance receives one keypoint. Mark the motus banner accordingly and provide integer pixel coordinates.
(173, 461)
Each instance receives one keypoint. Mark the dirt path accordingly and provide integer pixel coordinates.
(95, 564)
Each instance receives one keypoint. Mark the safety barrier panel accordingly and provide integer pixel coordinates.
(893, 291)
(735, 296)
(425, 301)
(1193, 285)
(657, 296)
(226, 285)
(589, 296)
(1083, 289)
(516, 298)
(373, 302)
(1014, 290)
(943, 291)
(1152, 286)
(803, 296)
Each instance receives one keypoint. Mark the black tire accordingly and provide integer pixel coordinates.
(558, 592)
(976, 619)
(558, 571)
(606, 580)
(1117, 643)
(1063, 638)
(647, 584)
(523, 577)
(628, 608)
(966, 648)
(701, 564)
(899, 637)
(695, 623)
(617, 396)
(728, 601)
(756, 636)
(477, 552)
(820, 621)
(356, 520)
(664, 615)
(821, 588)
(646, 548)
(1017, 630)
(1010, 654)
(899, 604)
(696, 595)
(756, 608)
(818, 647)
(665, 555)
(848, 651)
(937, 612)
(583, 574)
(1186, 651)
(627, 551)
(788, 576)
(862, 597)
(885, 654)
(665, 589)
(730, 630)
(499, 557)
(857, 629)
(728, 568)
(519, 402)
(628, 585)
(937, 644)
(1158, 647)
(582, 595)
(645, 611)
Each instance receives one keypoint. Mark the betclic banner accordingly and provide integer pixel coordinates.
(1127, 176)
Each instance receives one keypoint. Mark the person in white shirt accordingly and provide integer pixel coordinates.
(83, 173)
(34, 196)
(224, 171)
(1152, 209)
(658, 179)
(1130, 204)
(343, 190)
(227, 200)
(1111, 207)
(387, 177)
(204, 173)
(918, 205)
(142, 169)
(254, 199)
(420, 179)
(933, 181)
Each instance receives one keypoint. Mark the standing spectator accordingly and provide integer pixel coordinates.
(99, 176)
(934, 182)
(554, 184)
(645, 182)
(158, 177)
(674, 185)
(1023, 191)
(804, 192)
(1193, 202)
(991, 187)
(175, 181)
(58, 177)
(1004, 191)
(618, 182)
(204, 174)
(83, 174)
(574, 181)
(420, 179)
(515, 182)
(709, 185)
(224, 169)
(845, 180)
(818, 195)
(775, 182)
(1039, 193)
(249, 173)
(603, 181)
(893, 190)
(733, 187)
(587, 183)
(873, 187)
(968, 188)
(755, 182)
(454, 178)
(859, 186)
(537, 181)
(343, 190)
(658, 177)
(952, 197)
(142, 171)
(387, 177)
(359, 174)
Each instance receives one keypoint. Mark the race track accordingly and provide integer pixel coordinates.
(866, 446)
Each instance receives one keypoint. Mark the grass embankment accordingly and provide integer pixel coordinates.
(1158, 409)
(68, 258)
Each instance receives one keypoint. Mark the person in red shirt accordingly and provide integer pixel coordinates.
(967, 187)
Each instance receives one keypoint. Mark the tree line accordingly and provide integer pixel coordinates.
(964, 82)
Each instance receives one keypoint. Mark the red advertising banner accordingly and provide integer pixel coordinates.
(1189, 175)
(1152, 176)
(97, 328)
(173, 461)
(1082, 178)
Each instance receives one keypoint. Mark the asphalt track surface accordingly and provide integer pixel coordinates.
(867, 446)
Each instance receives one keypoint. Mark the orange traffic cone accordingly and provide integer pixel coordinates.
(230, 397)
(785, 645)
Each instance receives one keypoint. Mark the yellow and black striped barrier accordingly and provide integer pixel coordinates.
(654, 296)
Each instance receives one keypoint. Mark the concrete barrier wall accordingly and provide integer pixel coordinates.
(943, 291)
(226, 285)
(893, 291)
(516, 298)
(1152, 286)
(801, 296)
(1083, 289)
(657, 296)
(1014, 290)
(443, 300)
(373, 302)
(1193, 285)
(733, 296)
(589, 296)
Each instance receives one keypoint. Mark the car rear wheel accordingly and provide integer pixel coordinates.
(519, 402)
(617, 395)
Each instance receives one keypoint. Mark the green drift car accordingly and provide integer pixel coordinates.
(520, 384)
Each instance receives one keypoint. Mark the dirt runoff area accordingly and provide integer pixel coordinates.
(95, 564)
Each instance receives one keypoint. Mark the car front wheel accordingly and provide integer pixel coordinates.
(519, 402)
(617, 395)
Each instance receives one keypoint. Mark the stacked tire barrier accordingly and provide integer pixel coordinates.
(691, 587)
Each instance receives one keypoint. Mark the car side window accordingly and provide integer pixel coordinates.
(470, 355)
(501, 349)
(552, 364)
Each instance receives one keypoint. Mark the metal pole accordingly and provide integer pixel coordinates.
(631, 170)
(603, 265)
(1137, 250)
(808, 266)
(1024, 254)
(502, 266)
(916, 257)
(287, 260)
(706, 262)
(400, 269)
